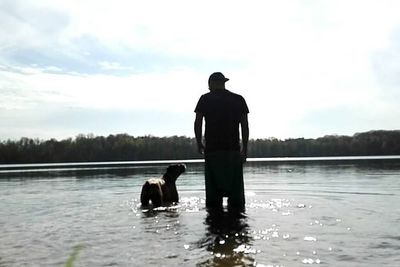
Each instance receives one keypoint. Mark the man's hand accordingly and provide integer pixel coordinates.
(198, 125)
(200, 148)
(243, 154)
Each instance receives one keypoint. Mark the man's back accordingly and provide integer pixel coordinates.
(222, 111)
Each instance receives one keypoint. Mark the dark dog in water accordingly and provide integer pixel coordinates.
(162, 191)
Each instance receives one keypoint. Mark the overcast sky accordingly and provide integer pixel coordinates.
(305, 68)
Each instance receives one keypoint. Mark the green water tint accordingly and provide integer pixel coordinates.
(72, 258)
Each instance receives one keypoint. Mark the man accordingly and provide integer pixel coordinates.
(223, 112)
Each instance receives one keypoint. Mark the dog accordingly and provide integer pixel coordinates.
(162, 191)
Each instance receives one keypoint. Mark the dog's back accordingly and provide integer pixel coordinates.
(152, 191)
(162, 190)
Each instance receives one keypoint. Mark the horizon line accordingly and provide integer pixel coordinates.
(92, 135)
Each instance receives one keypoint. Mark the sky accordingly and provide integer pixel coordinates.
(306, 68)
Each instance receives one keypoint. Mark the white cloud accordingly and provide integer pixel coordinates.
(171, 91)
(297, 59)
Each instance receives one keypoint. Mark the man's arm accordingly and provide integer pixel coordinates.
(198, 128)
(245, 135)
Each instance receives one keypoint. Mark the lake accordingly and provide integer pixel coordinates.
(342, 212)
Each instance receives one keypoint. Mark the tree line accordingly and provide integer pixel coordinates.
(123, 147)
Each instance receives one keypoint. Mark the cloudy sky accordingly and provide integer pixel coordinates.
(306, 68)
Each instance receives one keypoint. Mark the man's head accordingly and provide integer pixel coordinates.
(217, 81)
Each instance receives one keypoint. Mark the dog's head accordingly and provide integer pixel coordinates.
(173, 172)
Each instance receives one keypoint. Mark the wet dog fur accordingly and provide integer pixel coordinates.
(162, 191)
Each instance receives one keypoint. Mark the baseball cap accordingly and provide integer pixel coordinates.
(218, 76)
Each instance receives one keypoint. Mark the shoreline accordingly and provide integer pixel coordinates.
(35, 167)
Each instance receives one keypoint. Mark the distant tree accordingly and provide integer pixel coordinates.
(123, 147)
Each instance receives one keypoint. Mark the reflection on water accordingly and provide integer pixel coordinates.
(328, 214)
(227, 239)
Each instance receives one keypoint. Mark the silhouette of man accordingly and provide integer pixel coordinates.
(223, 112)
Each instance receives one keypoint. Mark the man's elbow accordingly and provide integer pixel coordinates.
(244, 125)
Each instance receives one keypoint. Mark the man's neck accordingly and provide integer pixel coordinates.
(218, 89)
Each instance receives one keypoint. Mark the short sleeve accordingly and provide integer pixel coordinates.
(245, 109)
(200, 106)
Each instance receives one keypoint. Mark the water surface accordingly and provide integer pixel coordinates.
(298, 213)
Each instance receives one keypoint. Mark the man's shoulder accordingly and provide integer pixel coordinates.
(222, 94)
(240, 101)
(236, 96)
(206, 94)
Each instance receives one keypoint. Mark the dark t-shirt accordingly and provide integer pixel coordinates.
(222, 111)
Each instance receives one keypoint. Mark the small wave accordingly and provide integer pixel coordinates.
(386, 245)
(392, 237)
